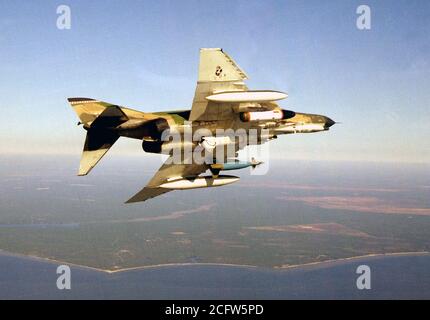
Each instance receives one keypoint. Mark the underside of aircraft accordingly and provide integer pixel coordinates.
(222, 103)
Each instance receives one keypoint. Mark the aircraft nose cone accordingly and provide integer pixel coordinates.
(328, 122)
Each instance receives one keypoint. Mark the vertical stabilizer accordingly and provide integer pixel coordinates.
(217, 73)
(216, 65)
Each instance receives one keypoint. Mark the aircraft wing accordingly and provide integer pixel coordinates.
(221, 91)
(166, 171)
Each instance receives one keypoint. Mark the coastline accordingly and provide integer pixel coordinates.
(310, 265)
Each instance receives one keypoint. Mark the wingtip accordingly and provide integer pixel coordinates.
(84, 171)
(79, 99)
(131, 200)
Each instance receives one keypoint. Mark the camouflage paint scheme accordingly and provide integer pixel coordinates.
(218, 73)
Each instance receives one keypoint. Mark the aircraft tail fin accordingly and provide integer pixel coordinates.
(98, 118)
(216, 65)
(217, 73)
(97, 143)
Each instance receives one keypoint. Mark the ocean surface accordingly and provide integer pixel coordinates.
(392, 277)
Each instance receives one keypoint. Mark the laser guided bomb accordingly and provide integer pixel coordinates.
(221, 101)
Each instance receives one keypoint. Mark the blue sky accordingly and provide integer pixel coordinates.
(144, 54)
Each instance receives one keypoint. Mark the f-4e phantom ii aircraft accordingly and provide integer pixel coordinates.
(221, 101)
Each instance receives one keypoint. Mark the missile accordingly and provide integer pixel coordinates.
(199, 182)
(262, 115)
(235, 165)
(302, 128)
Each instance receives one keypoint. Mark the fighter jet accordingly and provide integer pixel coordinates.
(222, 101)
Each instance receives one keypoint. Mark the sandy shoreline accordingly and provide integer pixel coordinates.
(316, 264)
